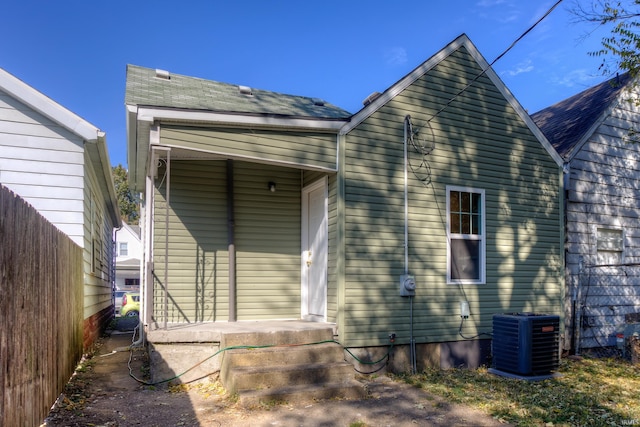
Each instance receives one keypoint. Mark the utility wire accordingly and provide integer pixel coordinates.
(511, 46)
(526, 32)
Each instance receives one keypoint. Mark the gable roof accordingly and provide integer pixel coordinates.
(421, 70)
(96, 139)
(47, 107)
(158, 88)
(568, 123)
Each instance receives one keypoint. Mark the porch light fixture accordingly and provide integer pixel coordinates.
(272, 186)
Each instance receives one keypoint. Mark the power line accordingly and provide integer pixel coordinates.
(511, 46)
(526, 32)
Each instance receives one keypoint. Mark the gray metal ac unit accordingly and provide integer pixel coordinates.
(526, 344)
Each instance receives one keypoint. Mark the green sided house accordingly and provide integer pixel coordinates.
(263, 210)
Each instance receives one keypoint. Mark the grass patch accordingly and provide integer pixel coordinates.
(590, 392)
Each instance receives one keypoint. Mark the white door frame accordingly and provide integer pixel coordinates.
(321, 184)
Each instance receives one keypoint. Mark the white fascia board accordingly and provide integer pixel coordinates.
(47, 107)
(131, 131)
(153, 114)
(107, 174)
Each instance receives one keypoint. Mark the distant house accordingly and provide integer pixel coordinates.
(263, 206)
(128, 256)
(595, 132)
(58, 163)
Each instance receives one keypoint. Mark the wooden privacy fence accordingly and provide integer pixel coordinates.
(41, 312)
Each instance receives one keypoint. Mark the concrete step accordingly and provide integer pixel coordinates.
(296, 365)
(250, 378)
(351, 389)
(277, 337)
(290, 355)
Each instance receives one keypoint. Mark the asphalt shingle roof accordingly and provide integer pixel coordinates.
(144, 88)
(566, 123)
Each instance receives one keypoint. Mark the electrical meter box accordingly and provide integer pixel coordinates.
(407, 285)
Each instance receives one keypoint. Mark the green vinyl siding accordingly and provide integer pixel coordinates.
(267, 242)
(304, 149)
(476, 140)
(332, 260)
(98, 245)
(267, 232)
(198, 260)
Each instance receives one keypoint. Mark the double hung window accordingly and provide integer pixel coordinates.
(609, 246)
(465, 235)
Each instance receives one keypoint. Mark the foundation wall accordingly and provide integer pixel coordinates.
(446, 355)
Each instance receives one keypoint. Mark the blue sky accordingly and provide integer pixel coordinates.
(76, 52)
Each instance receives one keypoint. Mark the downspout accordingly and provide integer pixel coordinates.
(231, 242)
(144, 271)
(114, 256)
(412, 341)
(574, 283)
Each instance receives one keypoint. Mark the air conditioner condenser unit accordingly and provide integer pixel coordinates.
(526, 344)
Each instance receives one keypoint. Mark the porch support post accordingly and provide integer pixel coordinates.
(166, 240)
(340, 239)
(231, 242)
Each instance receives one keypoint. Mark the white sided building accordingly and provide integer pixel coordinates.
(128, 256)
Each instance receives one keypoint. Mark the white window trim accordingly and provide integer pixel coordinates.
(595, 234)
(482, 237)
(126, 247)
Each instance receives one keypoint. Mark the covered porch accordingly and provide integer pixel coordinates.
(239, 190)
(232, 240)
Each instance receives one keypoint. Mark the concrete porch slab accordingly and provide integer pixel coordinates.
(214, 331)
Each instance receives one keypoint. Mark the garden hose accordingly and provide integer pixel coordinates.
(249, 347)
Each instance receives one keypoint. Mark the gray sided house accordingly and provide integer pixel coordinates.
(58, 163)
(595, 132)
(260, 206)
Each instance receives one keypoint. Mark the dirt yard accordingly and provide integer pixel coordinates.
(102, 393)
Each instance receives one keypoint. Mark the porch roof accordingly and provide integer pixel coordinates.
(159, 97)
(149, 87)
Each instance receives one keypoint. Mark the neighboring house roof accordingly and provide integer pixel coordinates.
(146, 86)
(568, 123)
(96, 139)
(134, 230)
(128, 264)
(461, 41)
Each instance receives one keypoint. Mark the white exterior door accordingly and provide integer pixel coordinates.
(314, 251)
